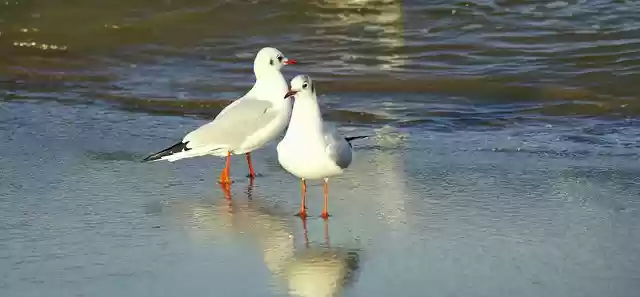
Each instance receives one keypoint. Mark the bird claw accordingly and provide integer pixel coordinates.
(325, 215)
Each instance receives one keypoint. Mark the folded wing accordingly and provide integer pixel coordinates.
(338, 148)
(233, 126)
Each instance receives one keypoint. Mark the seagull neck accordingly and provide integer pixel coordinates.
(305, 116)
(270, 86)
(268, 74)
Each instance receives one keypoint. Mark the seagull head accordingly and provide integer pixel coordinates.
(301, 85)
(269, 59)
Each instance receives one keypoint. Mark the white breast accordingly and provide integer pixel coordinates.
(306, 158)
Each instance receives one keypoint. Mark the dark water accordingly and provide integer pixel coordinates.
(505, 161)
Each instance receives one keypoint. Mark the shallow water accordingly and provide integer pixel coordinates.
(504, 161)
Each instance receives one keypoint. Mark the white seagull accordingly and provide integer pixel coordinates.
(245, 125)
(312, 149)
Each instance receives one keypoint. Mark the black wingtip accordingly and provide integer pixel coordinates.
(349, 139)
(176, 148)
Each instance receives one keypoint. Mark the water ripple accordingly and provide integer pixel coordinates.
(570, 58)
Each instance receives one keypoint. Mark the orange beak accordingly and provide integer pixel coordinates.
(290, 93)
(289, 62)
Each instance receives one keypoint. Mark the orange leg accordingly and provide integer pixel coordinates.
(224, 175)
(303, 207)
(252, 174)
(325, 211)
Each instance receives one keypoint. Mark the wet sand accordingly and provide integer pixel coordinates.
(419, 212)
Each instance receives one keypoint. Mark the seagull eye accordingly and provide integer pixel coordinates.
(304, 85)
(280, 58)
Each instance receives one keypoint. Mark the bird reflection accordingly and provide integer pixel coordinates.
(226, 190)
(321, 271)
(301, 267)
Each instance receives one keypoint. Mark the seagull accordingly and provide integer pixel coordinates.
(312, 149)
(245, 125)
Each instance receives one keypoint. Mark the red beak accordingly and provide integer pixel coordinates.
(290, 93)
(289, 62)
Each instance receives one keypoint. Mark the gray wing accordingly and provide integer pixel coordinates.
(338, 147)
(233, 125)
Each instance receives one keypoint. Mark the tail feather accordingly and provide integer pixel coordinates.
(174, 149)
(349, 139)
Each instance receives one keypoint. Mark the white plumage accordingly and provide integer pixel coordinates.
(312, 149)
(245, 125)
